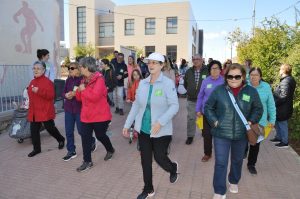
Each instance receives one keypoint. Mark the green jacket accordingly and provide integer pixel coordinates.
(190, 83)
(219, 108)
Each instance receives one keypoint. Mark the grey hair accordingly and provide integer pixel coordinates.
(89, 63)
(197, 55)
(40, 63)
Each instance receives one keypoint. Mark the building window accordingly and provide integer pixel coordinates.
(150, 26)
(171, 25)
(81, 25)
(129, 26)
(149, 50)
(172, 52)
(106, 29)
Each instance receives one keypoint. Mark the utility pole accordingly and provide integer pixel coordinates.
(253, 18)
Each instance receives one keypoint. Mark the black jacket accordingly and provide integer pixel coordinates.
(110, 79)
(283, 96)
(190, 83)
(121, 69)
(220, 108)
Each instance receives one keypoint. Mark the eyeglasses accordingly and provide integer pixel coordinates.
(236, 77)
(217, 68)
(72, 68)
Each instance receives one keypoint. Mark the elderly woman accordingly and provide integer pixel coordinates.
(41, 108)
(155, 105)
(207, 86)
(283, 96)
(269, 115)
(228, 130)
(95, 113)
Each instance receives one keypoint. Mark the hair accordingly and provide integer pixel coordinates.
(183, 64)
(121, 54)
(139, 73)
(40, 53)
(226, 62)
(168, 65)
(249, 61)
(74, 63)
(132, 59)
(116, 51)
(287, 69)
(105, 61)
(89, 63)
(258, 70)
(213, 62)
(236, 66)
(79, 58)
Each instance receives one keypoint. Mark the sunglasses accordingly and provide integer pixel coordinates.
(236, 77)
(71, 68)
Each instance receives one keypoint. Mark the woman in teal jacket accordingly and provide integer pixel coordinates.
(269, 114)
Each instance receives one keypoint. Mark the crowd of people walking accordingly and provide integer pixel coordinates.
(230, 98)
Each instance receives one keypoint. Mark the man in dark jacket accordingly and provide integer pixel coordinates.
(283, 96)
(192, 83)
(120, 74)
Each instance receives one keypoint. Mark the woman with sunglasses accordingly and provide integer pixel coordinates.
(228, 130)
(227, 63)
(156, 103)
(41, 108)
(72, 109)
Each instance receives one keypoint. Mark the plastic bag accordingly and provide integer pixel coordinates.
(199, 122)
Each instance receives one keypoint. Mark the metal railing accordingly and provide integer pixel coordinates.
(13, 80)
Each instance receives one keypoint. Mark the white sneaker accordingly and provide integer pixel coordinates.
(233, 188)
(219, 196)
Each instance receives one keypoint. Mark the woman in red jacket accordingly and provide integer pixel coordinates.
(95, 112)
(41, 108)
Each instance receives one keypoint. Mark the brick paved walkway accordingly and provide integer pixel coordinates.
(47, 176)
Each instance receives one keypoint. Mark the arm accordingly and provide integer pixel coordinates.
(271, 107)
(133, 111)
(98, 91)
(185, 84)
(18, 13)
(283, 92)
(172, 101)
(210, 109)
(200, 97)
(256, 108)
(47, 92)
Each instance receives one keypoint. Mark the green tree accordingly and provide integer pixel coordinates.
(84, 50)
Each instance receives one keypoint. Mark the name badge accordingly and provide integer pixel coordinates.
(75, 88)
(246, 98)
(121, 71)
(209, 86)
(203, 76)
(158, 92)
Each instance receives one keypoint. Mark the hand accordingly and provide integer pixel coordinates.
(125, 132)
(216, 123)
(81, 87)
(250, 123)
(128, 101)
(119, 77)
(199, 114)
(155, 128)
(271, 125)
(34, 89)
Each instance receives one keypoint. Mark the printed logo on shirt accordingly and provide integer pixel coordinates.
(209, 86)
(158, 92)
(203, 76)
(246, 98)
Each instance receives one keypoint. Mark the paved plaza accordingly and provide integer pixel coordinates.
(47, 176)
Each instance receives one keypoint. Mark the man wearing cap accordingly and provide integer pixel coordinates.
(155, 105)
(192, 83)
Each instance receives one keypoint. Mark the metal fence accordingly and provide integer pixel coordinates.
(13, 80)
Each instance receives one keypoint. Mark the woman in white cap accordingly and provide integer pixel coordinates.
(156, 103)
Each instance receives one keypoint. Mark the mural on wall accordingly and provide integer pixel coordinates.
(29, 29)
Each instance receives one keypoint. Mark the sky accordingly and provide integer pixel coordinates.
(215, 32)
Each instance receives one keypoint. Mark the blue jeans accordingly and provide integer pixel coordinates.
(282, 132)
(70, 120)
(222, 149)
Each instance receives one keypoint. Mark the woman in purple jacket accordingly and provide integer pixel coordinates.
(207, 86)
(72, 110)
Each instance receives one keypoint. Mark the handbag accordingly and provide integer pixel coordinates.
(253, 131)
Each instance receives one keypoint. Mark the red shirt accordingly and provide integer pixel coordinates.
(132, 90)
(236, 91)
(94, 100)
(41, 104)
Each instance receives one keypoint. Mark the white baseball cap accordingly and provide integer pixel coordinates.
(156, 57)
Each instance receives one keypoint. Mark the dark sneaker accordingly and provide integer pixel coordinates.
(117, 110)
(33, 153)
(275, 140)
(252, 169)
(94, 145)
(174, 176)
(69, 156)
(146, 194)
(282, 145)
(61, 144)
(109, 155)
(85, 166)
(205, 158)
(121, 112)
(189, 140)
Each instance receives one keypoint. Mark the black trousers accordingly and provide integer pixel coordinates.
(35, 133)
(100, 129)
(253, 153)
(157, 147)
(207, 137)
